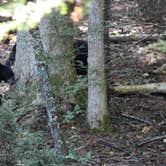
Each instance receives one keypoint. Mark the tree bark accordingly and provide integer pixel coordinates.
(33, 80)
(25, 64)
(47, 94)
(97, 98)
(57, 40)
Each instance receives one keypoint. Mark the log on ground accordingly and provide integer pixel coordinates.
(145, 88)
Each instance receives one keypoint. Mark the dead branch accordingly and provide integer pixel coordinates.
(146, 88)
(151, 140)
(136, 37)
(137, 119)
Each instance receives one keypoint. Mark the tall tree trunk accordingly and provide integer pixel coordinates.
(57, 39)
(97, 98)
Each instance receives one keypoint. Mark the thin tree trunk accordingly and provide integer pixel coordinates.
(97, 98)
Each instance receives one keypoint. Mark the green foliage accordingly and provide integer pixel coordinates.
(86, 6)
(74, 156)
(159, 45)
(18, 145)
(25, 16)
(8, 134)
(79, 90)
(73, 114)
(80, 84)
(33, 151)
(63, 8)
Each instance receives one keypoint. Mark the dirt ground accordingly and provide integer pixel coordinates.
(138, 121)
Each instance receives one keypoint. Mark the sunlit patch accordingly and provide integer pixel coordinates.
(4, 88)
(27, 16)
(150, 56)
(76, 15)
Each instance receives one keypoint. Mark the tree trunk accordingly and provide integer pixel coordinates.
(33, 80)
(97, 98)
(57, 39)
(25, 63)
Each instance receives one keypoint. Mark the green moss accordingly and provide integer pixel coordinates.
(81, 98)
(105, 127)
(107, 123)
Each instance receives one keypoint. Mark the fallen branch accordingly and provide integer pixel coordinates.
(151, 140)
(136, 37)
(136, 119)
(146, 88)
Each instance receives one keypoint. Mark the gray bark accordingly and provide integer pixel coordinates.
(97, 98)
(31, 70)
(57, 40)
(47, 94)
(25, 62)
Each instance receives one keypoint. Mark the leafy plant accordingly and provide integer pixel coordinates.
(73, 114)
(159, 45)
(74, 156)
(8, 134)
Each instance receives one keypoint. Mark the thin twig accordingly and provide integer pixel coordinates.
(136, 118)
(151, 140)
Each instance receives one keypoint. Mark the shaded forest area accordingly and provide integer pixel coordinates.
(137, 135)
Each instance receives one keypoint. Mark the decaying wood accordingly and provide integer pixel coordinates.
(146, 88)
(136, 37)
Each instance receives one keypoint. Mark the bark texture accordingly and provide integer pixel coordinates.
(57, 40)
(46, 89)
(25, 62)
(97, 98)
(31, 69)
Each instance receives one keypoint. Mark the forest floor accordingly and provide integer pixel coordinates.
(138, 121)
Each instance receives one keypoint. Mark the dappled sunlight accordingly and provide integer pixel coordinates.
(27, 16)
(150, 56)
